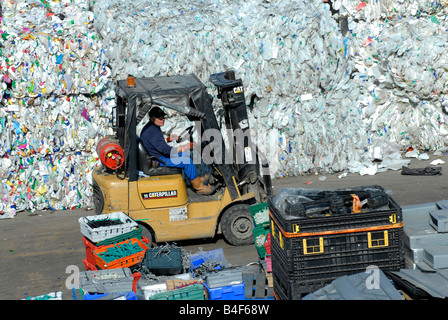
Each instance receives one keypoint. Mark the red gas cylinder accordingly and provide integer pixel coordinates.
(110, 152)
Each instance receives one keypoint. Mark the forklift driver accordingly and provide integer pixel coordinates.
(152, 138)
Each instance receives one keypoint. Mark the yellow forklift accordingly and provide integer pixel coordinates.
(159, 198)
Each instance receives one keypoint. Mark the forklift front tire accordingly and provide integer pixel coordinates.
(237, 225)
(148, 233)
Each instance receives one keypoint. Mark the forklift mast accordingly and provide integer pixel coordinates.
(119, 119)
(231, 94)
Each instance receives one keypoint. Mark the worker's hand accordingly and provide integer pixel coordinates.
(185, 147)
(172, 137)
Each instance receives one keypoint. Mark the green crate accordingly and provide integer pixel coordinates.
(137, 233)
(260, 234)
(260, 213)
(191, 292)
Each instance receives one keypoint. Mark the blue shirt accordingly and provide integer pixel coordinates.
(153, 140)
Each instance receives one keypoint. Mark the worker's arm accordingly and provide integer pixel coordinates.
(185, 147)
(172, 137)
(153, 140)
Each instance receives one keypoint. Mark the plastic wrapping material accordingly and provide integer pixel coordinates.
(427, 171)
(304, 202)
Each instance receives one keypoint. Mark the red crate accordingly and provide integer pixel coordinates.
(267, 244)
(90, 261)
(89, 266)
(123, 262)
(137, 276)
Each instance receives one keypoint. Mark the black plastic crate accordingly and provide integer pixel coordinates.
(162, 261)
(320, 235)
(299, 210)
(329, 256)
(302, 265)
(286, 289)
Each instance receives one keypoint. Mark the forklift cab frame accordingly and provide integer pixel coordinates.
(160, 200)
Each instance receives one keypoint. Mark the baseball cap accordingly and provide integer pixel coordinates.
(157, 112)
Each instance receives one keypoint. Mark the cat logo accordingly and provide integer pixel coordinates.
(238, 89)
(159, 195)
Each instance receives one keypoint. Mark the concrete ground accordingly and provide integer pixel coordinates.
(38, 249)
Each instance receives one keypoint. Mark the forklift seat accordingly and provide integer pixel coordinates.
(150, 165)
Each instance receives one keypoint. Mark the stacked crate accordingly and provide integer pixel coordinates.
(225, 284)
(189, 292)
(259, 285)
(106, 284)
(314, 241)
(108, 233)
(261, 230)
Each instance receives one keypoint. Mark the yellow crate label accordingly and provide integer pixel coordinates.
(393, 218)
(313, 248)
(378, 239)
(295, 228)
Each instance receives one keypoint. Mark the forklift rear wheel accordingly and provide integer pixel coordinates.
(237, 225)
(147, 233)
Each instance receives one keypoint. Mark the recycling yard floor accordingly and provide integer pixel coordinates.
(38, 250)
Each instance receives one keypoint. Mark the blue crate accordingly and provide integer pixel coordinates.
(233, 292)
(106, 296)
(217, 256)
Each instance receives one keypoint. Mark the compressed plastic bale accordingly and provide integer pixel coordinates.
(264, 55)
(278, 66)
(50, 155)
(51, 48)
(403, 80)
(322, 97)
(34, 71)
(47, 187)
(55, 125)
(269, 45)
(383, 9)
(50, 56)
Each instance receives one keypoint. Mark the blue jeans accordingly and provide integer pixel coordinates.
(184, 162)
